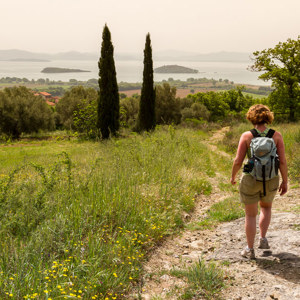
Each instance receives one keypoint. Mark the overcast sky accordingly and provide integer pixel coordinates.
(200, 26)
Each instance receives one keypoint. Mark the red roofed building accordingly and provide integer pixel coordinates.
(56, 99)
(50, 103)
(50, 100)
(45, 95)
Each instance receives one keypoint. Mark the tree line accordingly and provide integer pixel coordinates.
(101, 113)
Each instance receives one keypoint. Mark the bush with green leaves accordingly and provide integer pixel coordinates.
(73, 101)
(129, 108)
(85, 118)
(23, 112)
(221, 106)
(167, 105)
(196, 111)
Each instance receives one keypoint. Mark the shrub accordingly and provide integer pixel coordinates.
(73, 101)
(167, 105)
(22, 112)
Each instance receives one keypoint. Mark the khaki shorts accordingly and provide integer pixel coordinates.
(252, 191)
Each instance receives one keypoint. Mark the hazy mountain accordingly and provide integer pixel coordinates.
(15, 54)
(170, 55)
(74, 55)
(222, 56)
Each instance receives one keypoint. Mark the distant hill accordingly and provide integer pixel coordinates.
(174, 69)
(28, 59)
(21, 55)
(14, 54)
(223, 56)
(169, 55)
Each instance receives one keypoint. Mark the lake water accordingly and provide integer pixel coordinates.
(131, 71)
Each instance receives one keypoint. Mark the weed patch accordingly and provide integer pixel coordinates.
(225, 211)
(204, 280)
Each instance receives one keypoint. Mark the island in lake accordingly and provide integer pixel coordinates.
(62, 70)
(174, 69)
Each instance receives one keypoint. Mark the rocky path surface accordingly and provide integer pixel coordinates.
(275, 274)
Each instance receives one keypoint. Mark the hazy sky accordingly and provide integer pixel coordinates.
(190, 25)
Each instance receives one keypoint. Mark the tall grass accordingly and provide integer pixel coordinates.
(77, 219)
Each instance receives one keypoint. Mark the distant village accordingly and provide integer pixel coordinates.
(50, 100)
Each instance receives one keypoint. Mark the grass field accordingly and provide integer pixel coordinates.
(78, 218)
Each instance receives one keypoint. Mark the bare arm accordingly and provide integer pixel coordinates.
(283, 165)
(240, 155)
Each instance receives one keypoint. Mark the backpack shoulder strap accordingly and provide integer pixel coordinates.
(270, 133)
(254, 132)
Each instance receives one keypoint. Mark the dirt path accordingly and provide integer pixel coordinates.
(273, 275)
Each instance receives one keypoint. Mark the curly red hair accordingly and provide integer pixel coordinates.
(260, 114)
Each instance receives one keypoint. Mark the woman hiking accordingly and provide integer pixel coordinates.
(258, 186)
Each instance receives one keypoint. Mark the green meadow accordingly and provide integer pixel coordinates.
(78, 218)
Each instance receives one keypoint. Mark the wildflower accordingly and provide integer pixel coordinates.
(115, 275)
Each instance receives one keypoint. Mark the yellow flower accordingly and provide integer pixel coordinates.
(115, 275)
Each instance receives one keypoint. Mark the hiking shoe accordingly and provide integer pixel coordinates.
(248, 253)
(263, 244)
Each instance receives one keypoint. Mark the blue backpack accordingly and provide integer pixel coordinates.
(264, 162)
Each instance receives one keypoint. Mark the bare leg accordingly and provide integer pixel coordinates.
(250, 223)
(264, 218)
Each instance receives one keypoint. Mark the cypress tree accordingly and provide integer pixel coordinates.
(146, 118)
(108, 103)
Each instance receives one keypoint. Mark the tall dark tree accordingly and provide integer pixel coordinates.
(108, 104)
(146, 117)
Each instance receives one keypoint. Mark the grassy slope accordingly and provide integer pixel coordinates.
(79, 218)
